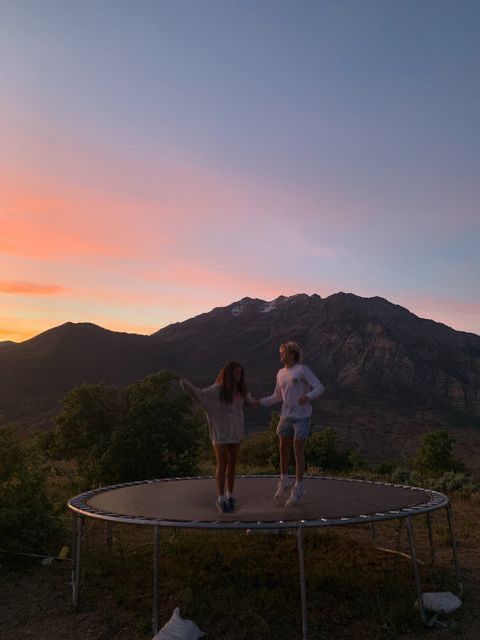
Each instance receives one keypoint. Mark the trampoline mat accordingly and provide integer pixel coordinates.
(193, 500)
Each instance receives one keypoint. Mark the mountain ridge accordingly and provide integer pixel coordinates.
(375, 357)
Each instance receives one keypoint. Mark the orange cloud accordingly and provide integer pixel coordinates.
(30, 288)
(18, 329)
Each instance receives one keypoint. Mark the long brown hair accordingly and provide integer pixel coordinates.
(228, 384)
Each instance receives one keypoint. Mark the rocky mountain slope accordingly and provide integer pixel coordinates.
(358, 346)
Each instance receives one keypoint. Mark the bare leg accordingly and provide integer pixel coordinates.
(284, 447)
(233, 450)
(221, 453)
(299, 446)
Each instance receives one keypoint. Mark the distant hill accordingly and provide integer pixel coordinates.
(389, 375)
(37, 373)
(6, 343)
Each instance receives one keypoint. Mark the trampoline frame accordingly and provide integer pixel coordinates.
(434, 501)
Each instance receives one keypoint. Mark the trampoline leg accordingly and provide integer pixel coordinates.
(76, 565)
(74, 540)
(108, 535)
(156, 559)
(372, 532)
(399, 541)
(454, 549)
(416, 573)
(303, 591)
(430, 539)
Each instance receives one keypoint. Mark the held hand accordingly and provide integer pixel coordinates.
(304, 399)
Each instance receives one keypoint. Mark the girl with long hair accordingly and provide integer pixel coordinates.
(224, 402)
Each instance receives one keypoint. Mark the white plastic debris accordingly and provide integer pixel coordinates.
(441, 602)
(179, 629)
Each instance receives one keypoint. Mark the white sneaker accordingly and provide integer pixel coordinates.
(282, 488)
(295, 495)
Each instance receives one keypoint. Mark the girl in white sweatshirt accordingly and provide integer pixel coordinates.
(224, 402)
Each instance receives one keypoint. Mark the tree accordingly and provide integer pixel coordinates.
(145, 430)
(436, 455)
(26, 515)
(158, 435)
(91, 414)
(321, 451)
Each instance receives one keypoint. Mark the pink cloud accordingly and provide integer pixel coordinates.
(46, 225)
(222, 281)
(29, 288)
(87, 200)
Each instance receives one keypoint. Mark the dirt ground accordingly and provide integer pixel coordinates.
(36, 603)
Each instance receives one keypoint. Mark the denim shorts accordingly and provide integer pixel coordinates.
(297, 428)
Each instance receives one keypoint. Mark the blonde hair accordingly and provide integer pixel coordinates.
(293, 347)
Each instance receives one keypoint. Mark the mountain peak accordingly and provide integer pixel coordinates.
(263, 306)
(245, 304)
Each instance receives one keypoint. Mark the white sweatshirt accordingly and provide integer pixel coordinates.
(226, 422)
(292, 383)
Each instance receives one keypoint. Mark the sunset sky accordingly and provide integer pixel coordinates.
(160, 158)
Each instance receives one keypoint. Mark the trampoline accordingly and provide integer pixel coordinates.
(188, 503)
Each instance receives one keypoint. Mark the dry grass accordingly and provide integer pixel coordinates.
(240, 587)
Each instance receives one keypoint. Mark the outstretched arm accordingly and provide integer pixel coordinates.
(204, 397)
(275, 398)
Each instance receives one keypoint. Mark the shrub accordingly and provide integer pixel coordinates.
(452, 481)
(261, 449)
(321, 450)
(435, 456)
(26, 515)
(355, 461)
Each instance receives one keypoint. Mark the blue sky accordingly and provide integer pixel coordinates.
(162, 158)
